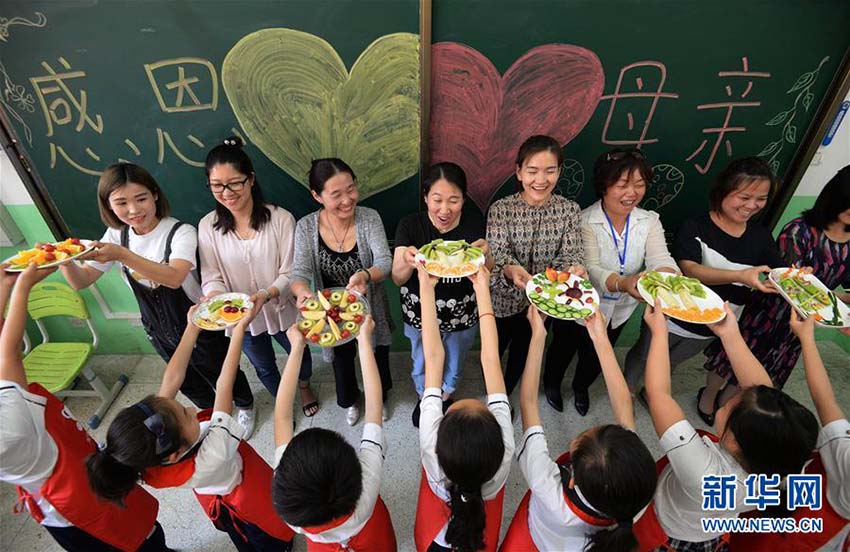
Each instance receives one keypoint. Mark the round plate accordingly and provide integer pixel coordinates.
(325, 330)
(208, 314)
(436, 268)
(551, 297)
(678, 311)
(834, 315)
(87, 246)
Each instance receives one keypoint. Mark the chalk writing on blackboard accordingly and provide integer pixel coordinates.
(652, 95)
(479, 118)
(368, 116)
(721, 132)
(54, 150)
(667, 182)
(53, 87)
(5, 23)
(16, 95)
(571, 179)
(180, 94)
(163, 138)
(788, 133)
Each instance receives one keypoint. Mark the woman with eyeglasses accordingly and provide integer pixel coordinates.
(157, 256)
(247, 246)
(620, 240)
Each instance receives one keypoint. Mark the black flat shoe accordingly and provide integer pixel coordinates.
(554, 398)
(446, 404)
(415, 416)
(708, 419)
(641, 396)
(582, 402)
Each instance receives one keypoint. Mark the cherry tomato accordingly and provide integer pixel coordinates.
(314, 338)
(345, 334)
(75, 241)
(326, 293)
(49, 257)
(358, 319)
(352, 298)
(48, 247)
(589, 300)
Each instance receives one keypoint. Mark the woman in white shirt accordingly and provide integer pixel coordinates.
(620, 240)
(762, 431)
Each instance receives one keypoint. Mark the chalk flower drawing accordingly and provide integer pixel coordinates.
(5, 23)
(296, 101)
(16, 94)
(786, 118)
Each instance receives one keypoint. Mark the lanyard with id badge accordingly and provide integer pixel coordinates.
(609, 298)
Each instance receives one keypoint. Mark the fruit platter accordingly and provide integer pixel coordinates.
(222, 311)
(562, 295)
(682, 298)
(450, 259)
(46, 255)
(333, 317)
(810, 297)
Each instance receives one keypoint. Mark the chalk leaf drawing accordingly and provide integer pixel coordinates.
(667, 182)
(16, 95)
(788, 132)
(6, 22)
(296, 101)
(571, 180)
(479, 118)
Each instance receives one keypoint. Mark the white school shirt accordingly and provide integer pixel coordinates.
(551, 522)
(431, 415)
(647, 247)
(28, 453)
(834, 448)
(373, 449)
(678, 497)
(218, 465)
(151, 246)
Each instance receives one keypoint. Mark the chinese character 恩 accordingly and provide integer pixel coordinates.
(184, 84)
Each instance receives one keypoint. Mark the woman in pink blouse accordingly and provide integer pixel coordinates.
(247, 246)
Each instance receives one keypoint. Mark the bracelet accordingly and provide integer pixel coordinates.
(267, 292)
(368, 275)
(482, 315)
(617, 284)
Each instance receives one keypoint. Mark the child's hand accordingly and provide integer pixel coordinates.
(578, 270)
(654, 318)
(481, 279)
(7, 279)
(367, 328)
(597, 326)
(803, 328)
(249, 317)
(33, 275)
(726, 327)
(295, 336)
(537, 320)
(190, 314)
(425, 279)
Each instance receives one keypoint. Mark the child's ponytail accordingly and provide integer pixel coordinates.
(618, 538)
(109, 478)
(466, 524)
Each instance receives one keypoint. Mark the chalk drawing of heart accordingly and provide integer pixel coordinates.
(294, 97)
(479, 118)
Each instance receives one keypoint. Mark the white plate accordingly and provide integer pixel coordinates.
(476, 264)
(711, 301)
(207, 320)
(87, 244)
(827, 313)
(326, 329)
(555, 292)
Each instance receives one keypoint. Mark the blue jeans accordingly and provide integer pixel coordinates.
(456, 345)
(259, 350)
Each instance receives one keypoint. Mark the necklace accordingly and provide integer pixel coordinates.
(339, 242)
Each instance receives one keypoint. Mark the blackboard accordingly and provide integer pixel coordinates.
(158, 83)
(661, 75)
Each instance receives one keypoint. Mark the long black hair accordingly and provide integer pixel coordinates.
(470, 451)
(131, 446)
(833, 200)
(231, 153)
(616, 474)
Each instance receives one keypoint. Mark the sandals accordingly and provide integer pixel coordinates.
(311, 408)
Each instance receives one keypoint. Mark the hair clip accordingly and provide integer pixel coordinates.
(155, 425)
(463, 498)
(230, 141)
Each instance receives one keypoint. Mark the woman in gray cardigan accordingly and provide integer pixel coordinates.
(343, 245)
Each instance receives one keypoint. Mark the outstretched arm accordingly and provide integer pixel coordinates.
(286, 390)
(175, 371)
(369, 368)
(618, 390)
(748, 370)
(816, 375)
(11, 365)
(494, 381)
(530, 385)
(663, 408)
(227, 377)
(432, 345)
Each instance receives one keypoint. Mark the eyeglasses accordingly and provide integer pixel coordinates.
(219, 187)
(617, 155)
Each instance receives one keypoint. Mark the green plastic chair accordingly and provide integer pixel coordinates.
(56, 365)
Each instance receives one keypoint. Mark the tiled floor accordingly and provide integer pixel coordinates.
(187, 528)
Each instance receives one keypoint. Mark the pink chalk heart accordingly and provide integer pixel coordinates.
(479, 119)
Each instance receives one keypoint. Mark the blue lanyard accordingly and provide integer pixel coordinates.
(620, 256)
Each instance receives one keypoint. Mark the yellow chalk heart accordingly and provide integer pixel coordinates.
(294, 97)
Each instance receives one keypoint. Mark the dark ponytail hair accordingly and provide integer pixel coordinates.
(230, 152)
(322, 170)
(616, 474)
(131, 447)
(470, 451)
(775, 433)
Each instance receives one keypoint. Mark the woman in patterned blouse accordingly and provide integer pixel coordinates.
(343, 245)
(527, 232)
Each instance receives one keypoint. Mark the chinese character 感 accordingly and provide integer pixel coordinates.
(59, 111)
(804, 491)
(718, 492)
(762, 491)
(172, 95)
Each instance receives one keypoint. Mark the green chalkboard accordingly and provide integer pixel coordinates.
(160, 82)
(658, 74)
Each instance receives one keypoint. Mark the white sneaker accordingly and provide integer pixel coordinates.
(352, 414)
(247, 418)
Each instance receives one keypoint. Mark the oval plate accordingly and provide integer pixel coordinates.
(436, 268)
(87, 246)
(711, 301)
(834, 315)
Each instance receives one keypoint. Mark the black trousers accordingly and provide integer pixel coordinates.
(247, 537)
(77, 540)
(347, 390)
(568, 340)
